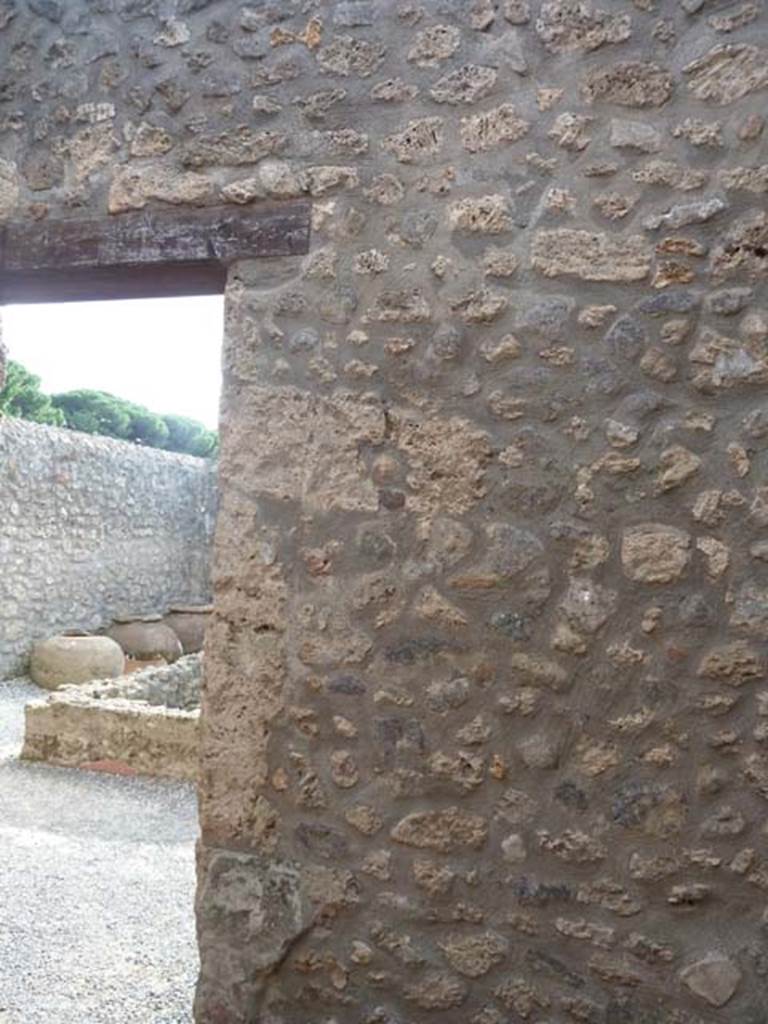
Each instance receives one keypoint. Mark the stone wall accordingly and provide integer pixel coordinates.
(485, 703)
(91, 528)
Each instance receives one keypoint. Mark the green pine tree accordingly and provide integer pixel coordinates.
(22, 398)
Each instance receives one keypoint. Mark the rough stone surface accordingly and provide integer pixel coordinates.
(133, 536)
(655, 553)
(727, 72)
(714, 979)
(487, 661)
(563, 26)
(629, 84)
(441, 830)
(635, 135)
(590, 256)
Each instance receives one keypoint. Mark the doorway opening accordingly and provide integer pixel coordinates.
(108, 492)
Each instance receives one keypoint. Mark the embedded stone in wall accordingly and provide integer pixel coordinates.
(150, 140)
(614, 205)
(670, 174)
(516, 12)
(42, 170)
(729, 301)
(329, 636)
(446, 461)
(274, 892)
(715, 978)
(573, 846)
(726, 363)
(512, 562)
(233, 148)
(434, 45)
(172, 33)
(393, 90)
(500, 263)
(280, 179)
(750, 611)
(516, 993)
(744, 249)
(655, 553)
(735, 663)
(635, 135)
(727, 72)
(569, 131)
(400, 306)
(487, 214)
(475, 955)
(9, 188)
(633, 83)
(547, 317)
(481, 306)
(538, 671)
(481, 132)
(468, 84)
(437, 991)
(132, 188)
(746, 179)
(446, 831)
(587, 605)
(684, 214)
(565, 26)
(89, 149)
(729, 22)
(418, 140)
(654, 808)
(676, 465)
(345, 55)
(591, 256)
(699, 133)
(287, 423)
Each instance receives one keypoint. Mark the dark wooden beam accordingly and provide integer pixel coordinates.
(147, 254)
(101, 283)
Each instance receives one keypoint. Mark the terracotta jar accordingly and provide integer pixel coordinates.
(188, 623)
(73, 659)
(146, 638)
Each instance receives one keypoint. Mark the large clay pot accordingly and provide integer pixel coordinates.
(188, 623)
(66, 660)
(146, 639)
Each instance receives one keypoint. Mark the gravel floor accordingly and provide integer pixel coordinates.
(96, 890)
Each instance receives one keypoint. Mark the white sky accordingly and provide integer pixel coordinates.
(162, 353)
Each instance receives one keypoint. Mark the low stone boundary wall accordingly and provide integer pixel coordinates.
(92, 528)
(147, 724)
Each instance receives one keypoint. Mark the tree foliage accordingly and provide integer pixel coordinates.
(21, 397)
(94, 412)
(186, 435)
(97, 412)
(148, 428)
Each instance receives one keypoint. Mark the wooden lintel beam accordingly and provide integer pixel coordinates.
(180, 252)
